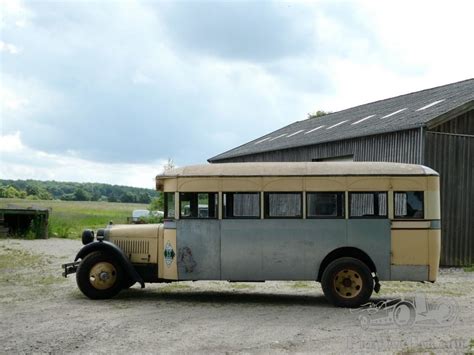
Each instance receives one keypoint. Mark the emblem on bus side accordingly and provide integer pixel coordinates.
(169, 254)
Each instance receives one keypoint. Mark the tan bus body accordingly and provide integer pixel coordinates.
(304, 221)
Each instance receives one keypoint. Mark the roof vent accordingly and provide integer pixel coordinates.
(281, 135)
(363, 119)
(291, 135)
(337, 124)
(314, 129)
(393, 113)
(262, 140)
(429, 105)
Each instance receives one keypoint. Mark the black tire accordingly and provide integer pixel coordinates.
(99, 276)
(347, 282)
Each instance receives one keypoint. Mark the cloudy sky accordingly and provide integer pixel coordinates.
(107, 91)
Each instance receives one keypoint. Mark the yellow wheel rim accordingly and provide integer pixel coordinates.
(103, 275)
(348, 283)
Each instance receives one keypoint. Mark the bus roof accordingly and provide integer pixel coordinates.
(298, 169)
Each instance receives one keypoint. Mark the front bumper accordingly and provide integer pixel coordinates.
(70, 268)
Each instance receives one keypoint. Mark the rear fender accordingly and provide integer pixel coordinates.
(114, 250)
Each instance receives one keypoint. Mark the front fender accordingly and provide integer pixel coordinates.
(116, 252)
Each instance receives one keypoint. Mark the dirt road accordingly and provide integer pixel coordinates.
(43, 312)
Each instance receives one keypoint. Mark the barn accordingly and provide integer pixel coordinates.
(433, 127)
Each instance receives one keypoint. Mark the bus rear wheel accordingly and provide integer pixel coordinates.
(99, 276)
(347, 282)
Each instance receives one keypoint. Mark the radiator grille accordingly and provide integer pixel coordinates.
(134, 246)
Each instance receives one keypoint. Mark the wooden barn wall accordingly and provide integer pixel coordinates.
(402, 146)
(450, 151)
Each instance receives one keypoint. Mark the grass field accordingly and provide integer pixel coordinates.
(69, 218)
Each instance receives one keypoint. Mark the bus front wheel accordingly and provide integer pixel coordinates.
(347, 282)
(99, 276)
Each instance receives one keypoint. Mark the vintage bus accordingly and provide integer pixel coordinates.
(346, 225)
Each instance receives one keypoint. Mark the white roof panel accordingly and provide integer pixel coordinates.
(363, 119)
(298, 169)
(430, 105)
(337, 124)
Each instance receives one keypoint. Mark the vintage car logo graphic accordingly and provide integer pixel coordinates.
(407, 312)
(169, 254)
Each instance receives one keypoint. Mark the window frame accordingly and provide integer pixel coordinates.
(266, 201)
(242, 193)
(386, 216)
(201, 192)
(343, 207)
(166, 208)
(409, 218)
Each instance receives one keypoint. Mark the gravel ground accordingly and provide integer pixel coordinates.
(43, 312)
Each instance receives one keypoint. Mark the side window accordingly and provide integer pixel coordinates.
(368, 204)
(325, 204)
(409, 204)
(169, 205)
(241, 204)
(283, 205)
(198, 204)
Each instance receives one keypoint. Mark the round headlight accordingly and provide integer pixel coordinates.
(87, 236)
(100, 234)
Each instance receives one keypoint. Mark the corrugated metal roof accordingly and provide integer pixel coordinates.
(298, 169)
(394, 114)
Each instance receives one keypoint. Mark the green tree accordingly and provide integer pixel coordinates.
(81, 195)
(3, 191)
(45, 190)
(318, 113)
(143, 197)
(10, 192)
(32, 190)
(44, 195)
(95, 196)
(127, 197)
(157, 204)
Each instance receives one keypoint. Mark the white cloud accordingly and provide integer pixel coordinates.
(11, 143)
(146, 86)
(14, 13)
(9, 100)
(21, 162)
(8, 47)
(414, 46)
